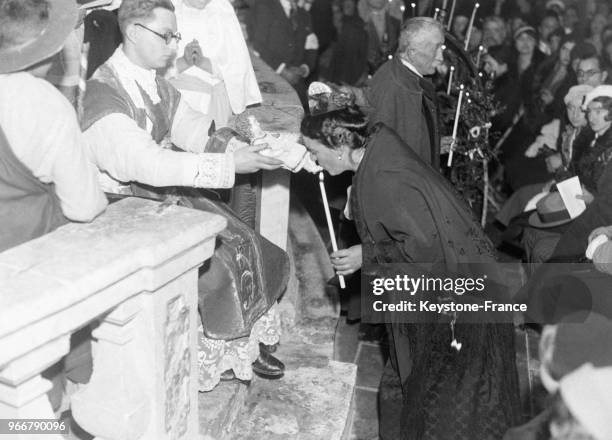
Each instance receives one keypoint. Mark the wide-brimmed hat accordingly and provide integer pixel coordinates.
(550, 212)
(526, 30)
(63, 16)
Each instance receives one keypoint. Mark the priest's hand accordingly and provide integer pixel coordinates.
(248, 160)
(347, 261)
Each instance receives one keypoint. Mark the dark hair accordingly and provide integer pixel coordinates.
(132, 11)
(606, 103)
(583, 50)
(346, 126)
(21, 19)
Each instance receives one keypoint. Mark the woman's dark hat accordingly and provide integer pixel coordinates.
(63, 16)
(550, 212)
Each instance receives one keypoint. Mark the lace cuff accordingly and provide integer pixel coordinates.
(215, 170)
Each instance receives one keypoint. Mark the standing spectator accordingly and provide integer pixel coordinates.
(322, 23)
(349, 63)
(283, 35)
(402, 98)
(383, 33)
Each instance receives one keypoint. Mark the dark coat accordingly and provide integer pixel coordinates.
(350, 60)
(276, 40)
(380, 49)
(407, 103)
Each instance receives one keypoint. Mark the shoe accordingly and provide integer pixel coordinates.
(267, 366)
(268, 348)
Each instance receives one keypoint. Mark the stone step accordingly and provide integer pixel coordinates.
(219, 409)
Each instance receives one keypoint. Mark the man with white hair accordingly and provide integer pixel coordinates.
(402, 98)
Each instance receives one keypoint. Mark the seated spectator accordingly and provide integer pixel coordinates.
(556, 141)
(596, 27)
(494, 32)
(591, 166)
(548, 24)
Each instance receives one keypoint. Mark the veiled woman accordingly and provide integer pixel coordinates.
(406, 212)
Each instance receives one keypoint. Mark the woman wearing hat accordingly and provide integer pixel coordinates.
(525, 61)
(406, 212)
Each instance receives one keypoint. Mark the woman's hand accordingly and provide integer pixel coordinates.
(347, 261)
(553, 162)
(445, 144)
(586, 196)
(546, 96)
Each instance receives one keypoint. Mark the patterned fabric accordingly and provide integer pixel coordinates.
(216, 355)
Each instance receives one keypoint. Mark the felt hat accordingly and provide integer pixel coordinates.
(525, 30)
(587, 393)
(63, 15)
(604, 90)
(550, 212)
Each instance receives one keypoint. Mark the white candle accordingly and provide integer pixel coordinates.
(436, 12)
(471, 25)
(413, 6)
(450, 80)
(480, 51)
(330, 226)
(444, 4)
(450, 16)
(455, 127)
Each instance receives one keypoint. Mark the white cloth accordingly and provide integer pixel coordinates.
(42, 130)
(218, 31)
(126, 153)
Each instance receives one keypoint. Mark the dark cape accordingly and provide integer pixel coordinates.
(407, 103)
(406, 212)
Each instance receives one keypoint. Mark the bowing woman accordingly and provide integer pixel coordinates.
(406, 212)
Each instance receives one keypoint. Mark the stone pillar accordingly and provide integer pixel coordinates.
(145, 367)
(23, 392)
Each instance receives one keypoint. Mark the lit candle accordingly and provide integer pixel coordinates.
(455, 127)
(471, 25)
(330, 226)
(436, 12)
(480, 51)
(450, 16)
(413, 6)
(450, 80)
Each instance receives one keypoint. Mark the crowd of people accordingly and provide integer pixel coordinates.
(166, 78)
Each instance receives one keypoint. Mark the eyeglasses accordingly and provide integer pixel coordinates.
(587, 73)
(167, 37)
